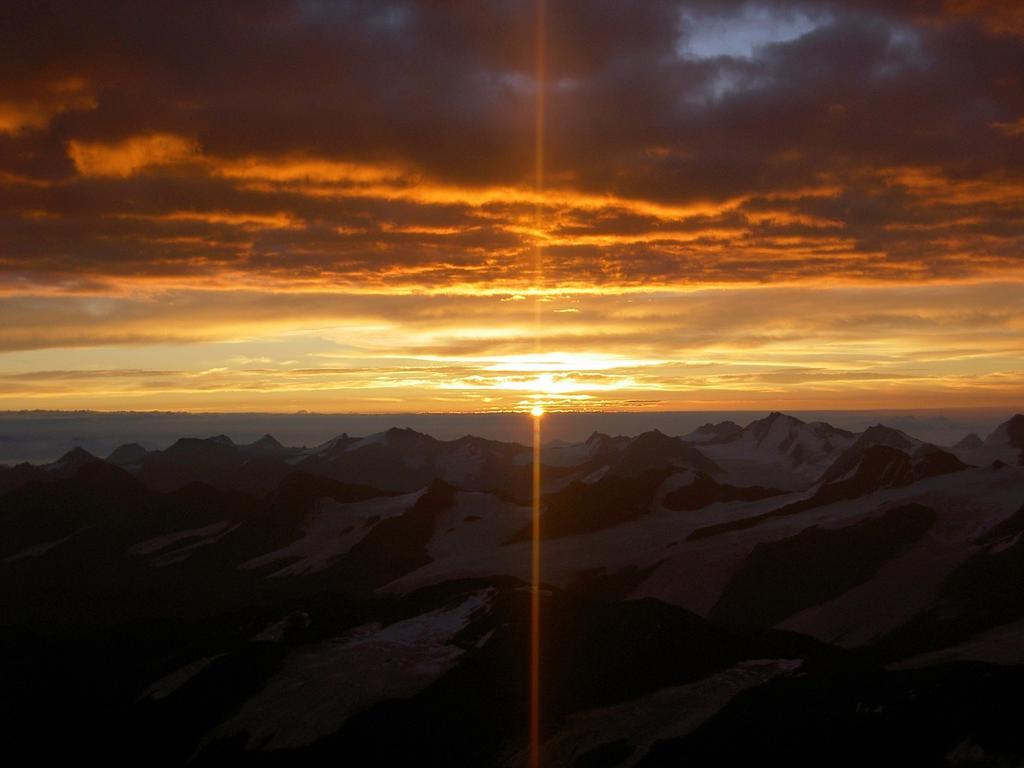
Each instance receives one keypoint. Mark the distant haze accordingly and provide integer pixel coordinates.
(39, 436)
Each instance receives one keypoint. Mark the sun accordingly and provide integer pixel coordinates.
(537, 411)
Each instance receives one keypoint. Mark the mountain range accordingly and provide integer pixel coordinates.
(783, 589)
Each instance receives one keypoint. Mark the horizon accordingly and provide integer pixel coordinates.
(43, 436)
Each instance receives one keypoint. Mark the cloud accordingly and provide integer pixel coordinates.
(33, 107)
(1011, 128)
(714, 172)
(130, 156)
(1000, 17)
(879, 347)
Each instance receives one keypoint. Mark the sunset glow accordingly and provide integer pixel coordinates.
(512, 383)
(762, 210)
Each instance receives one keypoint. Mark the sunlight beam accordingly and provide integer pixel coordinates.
(537, 411)
(536, 414)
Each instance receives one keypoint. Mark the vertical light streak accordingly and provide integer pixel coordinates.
(535, 601)
(538, 174)
(538, 279)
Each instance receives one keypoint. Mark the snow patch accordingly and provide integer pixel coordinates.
(158, 543)
(331, 531)
(670, 713)
(37, 550)
(318, 688)
(165, 686)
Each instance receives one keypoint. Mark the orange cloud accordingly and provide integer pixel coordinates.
(308, 170)
(43, 104)
(1002, 17)
(245, 220)
(1014, 128)
(851, 347)
(130, 156)
(933, 185)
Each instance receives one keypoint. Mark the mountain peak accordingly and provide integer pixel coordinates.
(267, 444)
(76, 454)
(656, 450)
(776, 426)
(968, 442)
(129, 453)
(879, 434)
(867, 442)
(406, 436)
(653, 437)
(184, 445)
(777, 415)
(723, 431)
(1010, 432)
(72, 461)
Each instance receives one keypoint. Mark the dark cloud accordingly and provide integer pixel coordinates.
(689, 142)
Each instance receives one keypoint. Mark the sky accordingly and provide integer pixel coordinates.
(335, 206)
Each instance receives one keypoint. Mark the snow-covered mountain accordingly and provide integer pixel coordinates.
(1004, 445)
(264, 602)
(778, 450)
